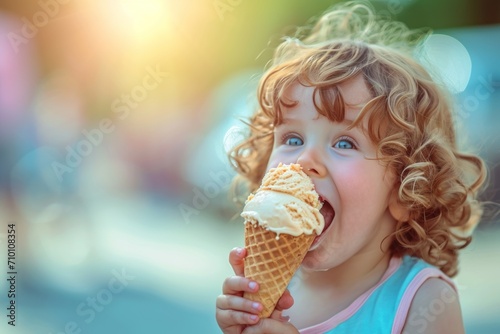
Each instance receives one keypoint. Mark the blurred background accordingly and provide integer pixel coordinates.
(114, 119)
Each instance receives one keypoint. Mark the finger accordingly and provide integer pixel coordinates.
(236, 257)
(278, 315)
(285, 302)
(228, 302)
(236, 285)
(226, 318)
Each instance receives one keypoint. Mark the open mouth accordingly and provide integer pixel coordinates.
(328, 214)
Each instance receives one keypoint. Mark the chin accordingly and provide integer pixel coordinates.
(316, 261)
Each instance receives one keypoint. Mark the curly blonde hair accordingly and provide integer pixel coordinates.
(410, 118)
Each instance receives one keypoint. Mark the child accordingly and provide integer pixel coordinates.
(375, 133)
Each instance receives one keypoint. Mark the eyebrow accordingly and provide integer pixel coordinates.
(287, 120)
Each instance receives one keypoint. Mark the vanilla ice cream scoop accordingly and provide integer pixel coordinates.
(286, 202)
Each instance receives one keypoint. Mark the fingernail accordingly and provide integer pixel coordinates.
(252, 285)
(239, 251)
(253, 317)
(285, 318)
(256, 306)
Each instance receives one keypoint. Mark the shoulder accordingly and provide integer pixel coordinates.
(435, 308)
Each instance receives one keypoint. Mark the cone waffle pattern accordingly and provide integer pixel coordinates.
(272, 262)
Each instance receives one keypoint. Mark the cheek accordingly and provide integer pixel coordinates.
(362, 185)
(278, 156)
(352, 176)
(274, 161)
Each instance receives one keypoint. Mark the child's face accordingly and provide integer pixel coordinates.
(338, 161)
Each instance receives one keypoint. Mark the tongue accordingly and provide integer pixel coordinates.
(328, 214)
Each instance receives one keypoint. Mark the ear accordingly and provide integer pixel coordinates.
(397, 210)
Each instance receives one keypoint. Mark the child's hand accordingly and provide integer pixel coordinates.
(276, 324)
(234, 313)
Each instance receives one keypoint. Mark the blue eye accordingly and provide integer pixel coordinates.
(294, 141)
(344, 144)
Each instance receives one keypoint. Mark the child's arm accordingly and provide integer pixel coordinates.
(434, 309)
(234, 313)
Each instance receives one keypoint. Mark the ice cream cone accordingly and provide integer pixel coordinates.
(272, 262)
(282, 218)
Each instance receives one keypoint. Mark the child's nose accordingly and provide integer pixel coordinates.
(312, 164)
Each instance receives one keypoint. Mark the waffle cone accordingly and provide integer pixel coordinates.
(272, 263)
